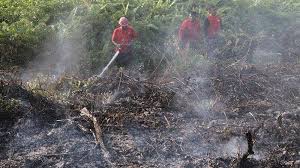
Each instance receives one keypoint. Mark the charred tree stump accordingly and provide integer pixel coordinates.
(243, 162)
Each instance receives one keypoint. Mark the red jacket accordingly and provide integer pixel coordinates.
(213, 26)
(189, 31)
(123, 37)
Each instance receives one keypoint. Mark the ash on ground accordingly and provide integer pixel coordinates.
(196, 121)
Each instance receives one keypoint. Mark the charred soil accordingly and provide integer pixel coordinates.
(236, 115)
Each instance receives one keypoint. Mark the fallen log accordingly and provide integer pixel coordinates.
(98, 134)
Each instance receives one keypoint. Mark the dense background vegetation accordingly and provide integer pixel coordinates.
(26, 25)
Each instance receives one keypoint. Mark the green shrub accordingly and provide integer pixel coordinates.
(26, 24)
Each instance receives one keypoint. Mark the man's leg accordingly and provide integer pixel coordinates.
(125, 62)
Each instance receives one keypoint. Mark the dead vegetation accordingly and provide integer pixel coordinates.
(139, 123)
(247, 88)
(235, 115)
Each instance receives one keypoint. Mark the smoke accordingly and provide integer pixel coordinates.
(236, 146)
(268, 49)
(204, 109)
(61, 53)
(266, 56)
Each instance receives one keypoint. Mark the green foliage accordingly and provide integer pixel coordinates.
(27, 23)
(24, 24)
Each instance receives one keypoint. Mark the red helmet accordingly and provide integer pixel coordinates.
(123, 21)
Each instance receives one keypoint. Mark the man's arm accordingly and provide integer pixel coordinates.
(113, 39)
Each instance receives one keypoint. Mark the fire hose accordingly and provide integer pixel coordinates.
(110, 62)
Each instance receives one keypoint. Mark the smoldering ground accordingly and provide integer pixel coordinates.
(200, 129)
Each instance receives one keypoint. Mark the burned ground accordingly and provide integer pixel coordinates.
(199, 121)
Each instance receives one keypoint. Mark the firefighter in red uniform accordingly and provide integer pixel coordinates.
(212, 27)
(189, 32)
(122, 38)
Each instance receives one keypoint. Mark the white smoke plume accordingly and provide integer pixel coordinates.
(61, 53)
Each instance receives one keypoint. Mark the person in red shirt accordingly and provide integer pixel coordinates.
(122, 38)
(189, 32)
(212, 27)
